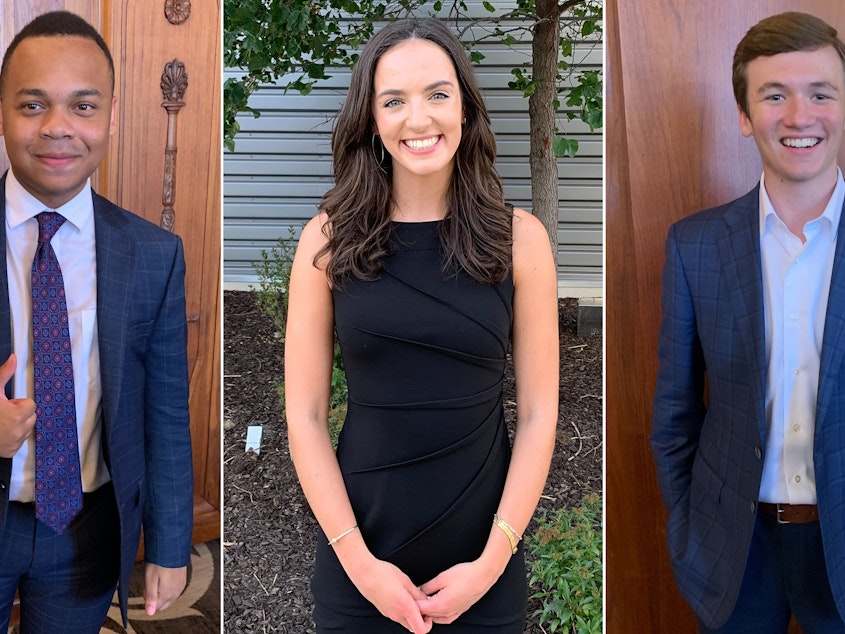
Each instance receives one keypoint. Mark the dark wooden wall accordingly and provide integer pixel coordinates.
(673, 148)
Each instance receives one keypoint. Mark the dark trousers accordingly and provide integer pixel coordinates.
(785, 575)
(66, 582)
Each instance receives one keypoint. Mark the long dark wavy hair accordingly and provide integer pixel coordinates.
(476, 232)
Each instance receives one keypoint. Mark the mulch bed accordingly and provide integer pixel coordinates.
(269, 530)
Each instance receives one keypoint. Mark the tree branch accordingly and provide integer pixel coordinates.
(567, 4)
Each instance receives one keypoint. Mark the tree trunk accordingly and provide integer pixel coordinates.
(545, 49)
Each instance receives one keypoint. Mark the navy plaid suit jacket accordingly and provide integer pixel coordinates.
(142, 337)
(709, 450)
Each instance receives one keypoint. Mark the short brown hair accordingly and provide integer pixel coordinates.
(781, 33)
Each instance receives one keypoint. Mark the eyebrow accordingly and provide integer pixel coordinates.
(776, 85)
(39, 92)
(395, 92)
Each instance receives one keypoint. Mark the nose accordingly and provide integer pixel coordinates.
(799, 113)
(418, 116)
(56, 124)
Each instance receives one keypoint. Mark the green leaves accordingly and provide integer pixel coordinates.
(295, 39)
(565, 147)
(566, 568)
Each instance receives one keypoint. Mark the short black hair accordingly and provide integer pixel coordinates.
(57, 24)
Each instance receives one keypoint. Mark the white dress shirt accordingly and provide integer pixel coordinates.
(796, 284)
(74, 247)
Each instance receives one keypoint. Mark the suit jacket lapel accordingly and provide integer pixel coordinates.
(5, 335)
(115, 265)
(739, 252)
(833, 341)
(5, 312)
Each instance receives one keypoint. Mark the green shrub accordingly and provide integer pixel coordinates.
(274, 280)
(566, 568)
(272, 296)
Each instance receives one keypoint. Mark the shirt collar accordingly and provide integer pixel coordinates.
(21, 205)
(831, 214)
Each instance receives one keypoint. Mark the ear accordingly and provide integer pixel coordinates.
(745, 125)
(113, 117)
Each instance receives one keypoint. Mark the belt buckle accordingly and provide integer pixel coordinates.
(780, 511)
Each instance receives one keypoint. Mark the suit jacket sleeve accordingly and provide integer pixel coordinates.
(168, 511)
(678, 409)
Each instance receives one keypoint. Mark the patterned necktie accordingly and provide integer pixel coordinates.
(58, 484)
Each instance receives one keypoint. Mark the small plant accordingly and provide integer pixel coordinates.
(272, 296)
(566, 567)
(274, 280)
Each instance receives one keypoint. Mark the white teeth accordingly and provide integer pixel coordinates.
(809, 142)
(422, 144)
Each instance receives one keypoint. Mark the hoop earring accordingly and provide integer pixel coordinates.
(379, 160)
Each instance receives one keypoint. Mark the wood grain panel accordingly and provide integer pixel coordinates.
(673, 148)
(135, 180)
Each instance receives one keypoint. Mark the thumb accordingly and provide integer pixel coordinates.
(150, 593)
(6, 372)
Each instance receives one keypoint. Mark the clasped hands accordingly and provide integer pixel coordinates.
(441, 600)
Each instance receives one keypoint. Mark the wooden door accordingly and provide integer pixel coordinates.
(146, 37)
(673, 148)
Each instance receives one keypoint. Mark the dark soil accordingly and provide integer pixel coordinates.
(269, 530)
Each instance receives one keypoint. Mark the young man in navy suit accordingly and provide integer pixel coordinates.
(749, 412)
(75, 491)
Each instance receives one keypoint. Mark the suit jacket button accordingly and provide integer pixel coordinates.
(753, 506)
(2, 485)
(758, 453)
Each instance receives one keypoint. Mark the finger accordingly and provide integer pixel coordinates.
(415, 620)
(163, 605)
(432, 587)
(150, 593)
(417, 594)
(6, 372)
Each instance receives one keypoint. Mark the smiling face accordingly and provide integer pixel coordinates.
(796, 114)
(417, 108)
(57, 113)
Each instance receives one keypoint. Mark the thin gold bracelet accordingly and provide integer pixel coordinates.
(332, 542)
(513, 537)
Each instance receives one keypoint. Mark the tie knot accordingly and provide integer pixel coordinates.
(48, 223)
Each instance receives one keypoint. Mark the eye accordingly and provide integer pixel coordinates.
(774, 98)
(31, 107)
(86, 108)
(439, 96)
(392, 103)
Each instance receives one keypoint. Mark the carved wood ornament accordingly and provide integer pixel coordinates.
(174, 83)
(177, 11)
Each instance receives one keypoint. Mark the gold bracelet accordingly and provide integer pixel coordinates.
(332, 542)
(513, 537)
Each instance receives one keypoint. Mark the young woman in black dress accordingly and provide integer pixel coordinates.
(428, 277)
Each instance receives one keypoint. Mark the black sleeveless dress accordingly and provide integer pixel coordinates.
(424, 450)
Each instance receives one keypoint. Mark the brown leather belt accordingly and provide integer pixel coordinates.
(791, 513)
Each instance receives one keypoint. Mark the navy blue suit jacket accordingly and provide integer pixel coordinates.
(142, 337)
(709, 455)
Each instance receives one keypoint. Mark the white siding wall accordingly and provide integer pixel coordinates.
(282, 166)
